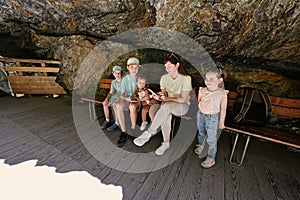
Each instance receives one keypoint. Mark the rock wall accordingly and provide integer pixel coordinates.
(246, 36)
(247, 28)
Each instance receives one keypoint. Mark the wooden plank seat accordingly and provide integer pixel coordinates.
(280, 106)
(32, 76)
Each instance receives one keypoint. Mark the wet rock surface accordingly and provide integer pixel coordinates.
(257, 42)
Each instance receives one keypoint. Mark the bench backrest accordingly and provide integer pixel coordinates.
(32, 76)
(280, 106)
(105, 83)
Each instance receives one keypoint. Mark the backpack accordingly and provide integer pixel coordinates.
(252, 107)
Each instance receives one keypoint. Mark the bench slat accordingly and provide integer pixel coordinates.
(285, 102)
(30, 60)
(106, 80)
(32, 69)
(32, 79)
(36, 85)
(280, 106)
(268, 134)
(97, 99)
(40, 91)
(105, 83)
(284, 111)
(232, 96)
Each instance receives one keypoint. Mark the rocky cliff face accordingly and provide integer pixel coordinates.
(247, 37)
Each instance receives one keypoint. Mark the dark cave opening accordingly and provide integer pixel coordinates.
(16, 47)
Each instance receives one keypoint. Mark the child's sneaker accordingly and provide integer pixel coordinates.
(208, 163)
(142, 139)
(122, 139)
(105, 125)
(161, 150)
(198, 150)
(113, 127)
(143, 126)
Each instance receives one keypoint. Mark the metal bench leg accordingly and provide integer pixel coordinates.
(173, 127)
(174, 120)
(244, 151)
(92, 111)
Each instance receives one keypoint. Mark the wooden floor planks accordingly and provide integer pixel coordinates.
(43, 129)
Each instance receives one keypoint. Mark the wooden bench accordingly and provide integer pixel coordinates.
(31, 76)
(280, 106)
(105, 83)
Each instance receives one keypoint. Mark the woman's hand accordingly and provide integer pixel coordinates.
(156, 96)
(163, 96)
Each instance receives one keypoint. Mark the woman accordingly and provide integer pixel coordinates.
(175, 89)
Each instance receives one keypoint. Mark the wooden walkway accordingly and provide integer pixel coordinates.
(43, 129)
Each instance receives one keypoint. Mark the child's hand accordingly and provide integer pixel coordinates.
(156, 97)
(133, 101)
(221, 125)
(105, 102)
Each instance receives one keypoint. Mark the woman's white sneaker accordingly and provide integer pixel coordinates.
(161, 150)
(142, 139)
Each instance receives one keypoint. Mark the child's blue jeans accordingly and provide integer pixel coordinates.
(208, 124)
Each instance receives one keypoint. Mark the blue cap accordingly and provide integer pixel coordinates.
(117, 67)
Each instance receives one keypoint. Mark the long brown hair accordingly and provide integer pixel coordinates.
(174, 59)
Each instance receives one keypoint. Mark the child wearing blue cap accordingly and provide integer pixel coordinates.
(112, 98)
